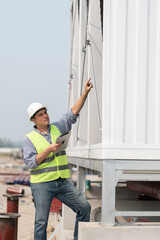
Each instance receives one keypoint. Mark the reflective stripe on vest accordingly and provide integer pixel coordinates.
(50, 169)
(61, 153)
(54, 165)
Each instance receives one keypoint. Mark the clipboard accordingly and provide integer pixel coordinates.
(64, 139)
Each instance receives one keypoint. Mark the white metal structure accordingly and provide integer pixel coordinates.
(117, 44)
(122, 116)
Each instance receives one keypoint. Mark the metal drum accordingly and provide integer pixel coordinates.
(8, 226)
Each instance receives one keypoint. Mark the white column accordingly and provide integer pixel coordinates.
(108, 193)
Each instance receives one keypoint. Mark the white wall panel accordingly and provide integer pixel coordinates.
(83, 74)
(142, 68)
(134, 71)
(125, 71)
(130, 70)
(74, 63)
(118, 30)
(152, 69)
(95, 72)
(89, 65)
(157, 125)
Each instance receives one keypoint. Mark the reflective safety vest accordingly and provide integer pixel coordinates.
(54, 165)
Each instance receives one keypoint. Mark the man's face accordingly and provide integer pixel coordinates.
(41, 118)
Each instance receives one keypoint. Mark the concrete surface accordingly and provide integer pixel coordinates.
(94, 231)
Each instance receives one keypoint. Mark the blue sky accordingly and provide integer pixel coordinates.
(34, 61)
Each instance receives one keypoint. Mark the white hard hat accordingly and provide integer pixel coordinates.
(33, 108)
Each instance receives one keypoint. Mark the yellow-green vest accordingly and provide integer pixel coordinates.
(54, 165)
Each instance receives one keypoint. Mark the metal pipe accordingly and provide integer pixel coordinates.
(10, 174)
(55, 231)
(151, 189)
(15, 190)
(8, 226)
(12, 207)
(12, 202)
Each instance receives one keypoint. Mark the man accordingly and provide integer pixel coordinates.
(49, 167)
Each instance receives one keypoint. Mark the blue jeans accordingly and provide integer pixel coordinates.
(66, 192)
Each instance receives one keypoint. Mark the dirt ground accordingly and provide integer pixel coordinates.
(26, 206)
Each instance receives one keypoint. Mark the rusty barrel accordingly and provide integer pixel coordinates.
(12, 206)
(8, 226)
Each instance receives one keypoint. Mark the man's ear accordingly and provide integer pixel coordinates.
(33, 120)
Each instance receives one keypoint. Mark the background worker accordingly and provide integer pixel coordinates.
(49, 168)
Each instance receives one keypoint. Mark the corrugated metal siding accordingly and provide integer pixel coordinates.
(133, 54)
(125, 101)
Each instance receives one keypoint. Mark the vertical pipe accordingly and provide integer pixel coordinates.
(12, 204)
(108, 193)
(81, 179)
(12, 207)
(8, 226)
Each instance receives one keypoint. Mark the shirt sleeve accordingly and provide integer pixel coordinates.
(64, 124)
(30, 153)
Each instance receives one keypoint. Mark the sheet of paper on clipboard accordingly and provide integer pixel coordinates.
(64, 139)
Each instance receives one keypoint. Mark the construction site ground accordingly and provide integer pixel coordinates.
(8, 166)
